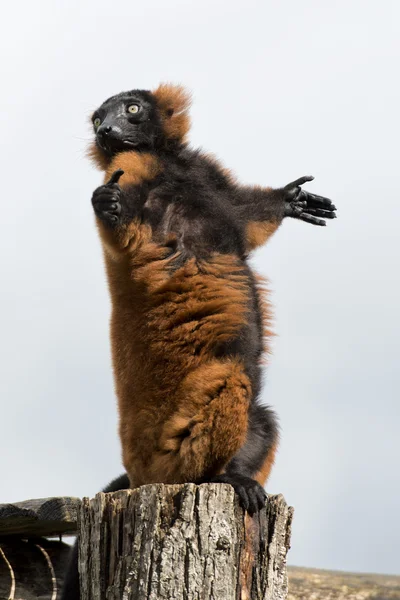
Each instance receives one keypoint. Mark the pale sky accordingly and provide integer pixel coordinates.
(281, 89)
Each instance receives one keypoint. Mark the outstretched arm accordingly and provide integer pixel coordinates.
(262, 210)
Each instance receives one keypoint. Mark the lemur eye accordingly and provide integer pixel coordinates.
(97, 122)
(133, 109)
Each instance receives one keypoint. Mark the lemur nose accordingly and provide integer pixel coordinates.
(104, 130)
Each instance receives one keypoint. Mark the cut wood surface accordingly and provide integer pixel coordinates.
(43, 516)
(182, 542)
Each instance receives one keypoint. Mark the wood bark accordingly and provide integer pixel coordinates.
(182, 542)
(42, 516)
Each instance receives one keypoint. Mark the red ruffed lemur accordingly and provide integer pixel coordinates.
(189, 320)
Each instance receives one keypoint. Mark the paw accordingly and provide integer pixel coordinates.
(251, 494)
(305, 206)
(106, 200)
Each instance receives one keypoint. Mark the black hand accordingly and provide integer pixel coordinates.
(305, 206)
(106, 200)
(251, 494)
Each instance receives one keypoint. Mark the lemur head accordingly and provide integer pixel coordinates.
(140, 120)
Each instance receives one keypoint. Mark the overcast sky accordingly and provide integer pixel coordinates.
(281, 89)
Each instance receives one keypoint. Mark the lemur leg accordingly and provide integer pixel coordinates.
(70, 590)
(209, 426)
(249, 469)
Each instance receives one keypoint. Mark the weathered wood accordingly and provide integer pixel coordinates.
(32, 569)
(43, 516)
(182, 542)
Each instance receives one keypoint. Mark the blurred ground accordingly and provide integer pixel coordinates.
(318, 584)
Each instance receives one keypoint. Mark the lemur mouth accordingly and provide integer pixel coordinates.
(111, 145)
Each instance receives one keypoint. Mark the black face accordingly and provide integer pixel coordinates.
(127, 121)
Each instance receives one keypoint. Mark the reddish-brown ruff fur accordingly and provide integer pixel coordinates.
(100, 160)
(138, 168)
(174, 102)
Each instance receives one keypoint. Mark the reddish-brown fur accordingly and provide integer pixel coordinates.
(174, 102)
(173, 395)
(264, 472)
(183, 412)
(171, 430)
(258, 232)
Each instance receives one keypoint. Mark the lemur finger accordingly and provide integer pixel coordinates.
(111, 217)
(319, 212)
(108, 217)
(243, 497)
(298, 209)
(300, 204)
(253, 501)
(294, 208)
(106, 198)
(299, 181)
(115, 177)
(319, 206)
(112, 207)
(311, 219)
(261, 495)
(319, 200)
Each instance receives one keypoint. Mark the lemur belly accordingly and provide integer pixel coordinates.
(166, 329)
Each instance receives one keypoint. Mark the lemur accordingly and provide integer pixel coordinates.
(190, 319)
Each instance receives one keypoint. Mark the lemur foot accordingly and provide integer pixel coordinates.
(302, 205)
(251, 494)
(106, 200)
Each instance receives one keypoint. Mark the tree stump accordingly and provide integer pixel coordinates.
(182, 542)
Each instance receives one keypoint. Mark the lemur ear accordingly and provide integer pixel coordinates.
(174, 103)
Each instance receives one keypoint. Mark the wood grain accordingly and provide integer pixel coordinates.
(43, 516)
(182, 542)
